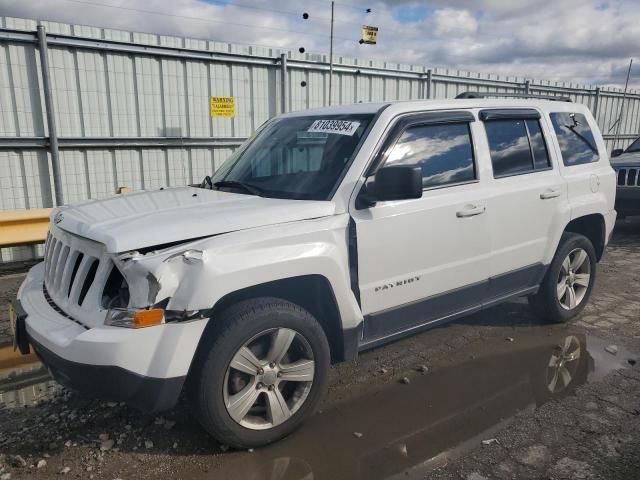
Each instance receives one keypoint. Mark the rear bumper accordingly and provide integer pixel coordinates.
(144, 367)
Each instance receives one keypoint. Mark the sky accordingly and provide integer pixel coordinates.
(578, 41)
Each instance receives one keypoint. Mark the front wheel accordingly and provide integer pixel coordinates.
(567, 285)
(261, 372)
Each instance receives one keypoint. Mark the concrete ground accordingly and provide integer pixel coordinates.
(470, 400)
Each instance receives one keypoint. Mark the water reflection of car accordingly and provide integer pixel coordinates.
(626, 163)
(434, 414)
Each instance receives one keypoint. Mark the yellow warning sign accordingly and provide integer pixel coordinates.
(223, 107)
(369, 34)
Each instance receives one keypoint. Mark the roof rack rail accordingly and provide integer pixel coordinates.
(511, 95)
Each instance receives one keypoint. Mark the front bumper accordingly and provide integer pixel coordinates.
(145, 368)
(112, 383)
(628, 200)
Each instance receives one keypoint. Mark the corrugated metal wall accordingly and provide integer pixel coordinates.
(132, 109)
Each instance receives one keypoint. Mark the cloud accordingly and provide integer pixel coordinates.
(579, 41)
(449, 21)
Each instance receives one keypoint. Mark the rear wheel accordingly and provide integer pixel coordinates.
(567, 285)
(262, 372)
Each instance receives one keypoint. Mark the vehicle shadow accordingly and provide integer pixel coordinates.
(513, 313)
(626, 232)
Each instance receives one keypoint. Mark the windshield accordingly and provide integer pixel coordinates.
(300, 158)
(634, 147)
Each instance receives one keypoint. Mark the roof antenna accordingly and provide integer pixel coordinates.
(624, 96)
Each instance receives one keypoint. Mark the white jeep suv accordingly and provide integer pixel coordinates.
(328, 232)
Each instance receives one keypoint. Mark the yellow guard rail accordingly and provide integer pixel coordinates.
(23, 227)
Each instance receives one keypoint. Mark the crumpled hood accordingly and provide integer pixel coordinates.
(145, 219)
(631, 159)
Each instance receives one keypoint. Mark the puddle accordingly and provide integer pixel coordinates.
(409, 429)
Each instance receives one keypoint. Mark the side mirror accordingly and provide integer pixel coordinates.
(617, 152)
(391, 183)
(401, 182)
(397, 183)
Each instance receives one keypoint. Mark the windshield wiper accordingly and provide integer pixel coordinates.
(206, 183)
(573, 130)
(252, 189)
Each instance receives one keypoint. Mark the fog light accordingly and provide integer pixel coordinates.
(134, 318)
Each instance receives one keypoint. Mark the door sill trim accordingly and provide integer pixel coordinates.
(368, 344)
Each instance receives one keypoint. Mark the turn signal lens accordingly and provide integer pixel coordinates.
(148, 318)
(134, 318)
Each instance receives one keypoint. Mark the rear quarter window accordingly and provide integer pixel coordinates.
(576, 140)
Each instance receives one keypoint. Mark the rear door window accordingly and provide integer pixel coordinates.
(576, 140)
(517, 146)
(509, 145)
(538, 145)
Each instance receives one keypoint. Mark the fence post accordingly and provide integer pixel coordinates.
(283, 83)
(527, 85)
(58, 198)
(596, 103)
(429, 91)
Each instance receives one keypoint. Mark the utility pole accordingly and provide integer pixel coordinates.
(624, 96)
(51, 117)
(331, 55)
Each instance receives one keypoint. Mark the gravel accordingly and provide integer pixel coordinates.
(106, 445)
(612, 349)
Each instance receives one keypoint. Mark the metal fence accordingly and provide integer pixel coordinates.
(132, 109)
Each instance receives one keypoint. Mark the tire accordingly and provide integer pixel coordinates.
(251, 334)
(546, 303)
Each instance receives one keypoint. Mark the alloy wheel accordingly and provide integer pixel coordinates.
(574, 279)
(269, 378)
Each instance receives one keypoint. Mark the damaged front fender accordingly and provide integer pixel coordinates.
(154, 277)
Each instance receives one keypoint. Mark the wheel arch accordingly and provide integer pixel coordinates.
(313, 292)
(593, 227)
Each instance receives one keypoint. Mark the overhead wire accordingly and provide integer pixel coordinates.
(204, 20)
(243, 25)
(223, 3)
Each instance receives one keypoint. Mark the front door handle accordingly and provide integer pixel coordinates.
(471, 211)
(550, 193)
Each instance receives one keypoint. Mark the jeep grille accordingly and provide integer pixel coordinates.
(76, 273)
(629, 177)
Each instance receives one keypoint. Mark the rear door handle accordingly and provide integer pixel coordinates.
(471, 211)
(550, 193)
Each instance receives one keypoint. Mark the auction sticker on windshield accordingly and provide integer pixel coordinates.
(341, 127)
